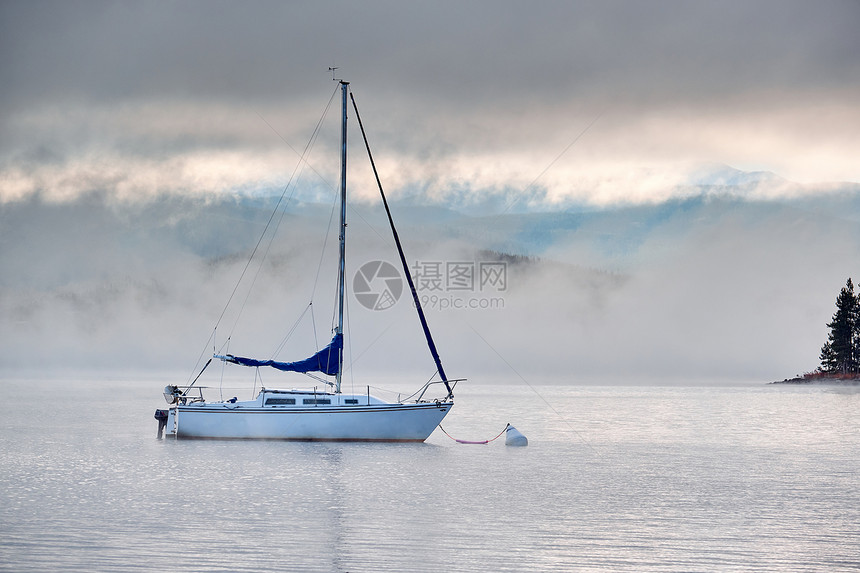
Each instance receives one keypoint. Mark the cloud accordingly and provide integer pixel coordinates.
(713, 287)
(136, 135)
(195, 97)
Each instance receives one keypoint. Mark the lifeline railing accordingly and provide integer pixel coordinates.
(449, 383)
(180, 395)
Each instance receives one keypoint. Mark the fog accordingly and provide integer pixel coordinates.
(707, 288)
(672, 187)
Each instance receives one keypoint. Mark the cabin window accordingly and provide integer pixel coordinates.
(350, 401)
(316, 401)
(274, 401)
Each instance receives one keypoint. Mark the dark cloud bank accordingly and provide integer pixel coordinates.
(481, 93)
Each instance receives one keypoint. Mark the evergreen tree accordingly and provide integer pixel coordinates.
(841, 353)
(828, 358)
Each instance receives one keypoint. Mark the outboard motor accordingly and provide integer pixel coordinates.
(161, 416)
(171, 394)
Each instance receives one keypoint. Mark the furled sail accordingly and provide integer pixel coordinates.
(325, 361)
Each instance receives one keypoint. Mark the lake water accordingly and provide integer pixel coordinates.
(741, 478)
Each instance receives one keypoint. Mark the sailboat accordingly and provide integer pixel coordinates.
(311, 414)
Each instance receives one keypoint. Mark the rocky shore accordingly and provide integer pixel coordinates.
(823, 378)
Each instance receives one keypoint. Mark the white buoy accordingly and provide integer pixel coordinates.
(513, 437)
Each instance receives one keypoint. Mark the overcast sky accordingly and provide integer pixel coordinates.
(549, 105)
(482, 97)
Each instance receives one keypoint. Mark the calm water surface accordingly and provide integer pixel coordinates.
(748, 478)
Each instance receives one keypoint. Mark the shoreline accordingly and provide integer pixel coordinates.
(822, 379)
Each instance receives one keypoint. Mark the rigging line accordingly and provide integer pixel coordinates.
(253, 252)
(302, 156)
(259, 267)
(331, 215)
(316, 129)
(314, 326)
(291, 331)
(265, 254)
(242, 274)
(349, 342)
(430, 344)
(355, 211)
(333, 324)
(532, 388)
(293, 177)
(351, 208)
(208, 362)
(369, 346)
(200, 357)
(262, 235)
(515, 200)
(426, 384)
(223, 368)
(325, 242)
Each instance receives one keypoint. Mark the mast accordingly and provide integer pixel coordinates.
(341, 272)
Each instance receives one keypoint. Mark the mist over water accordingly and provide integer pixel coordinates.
(710, 287)
(742, 478)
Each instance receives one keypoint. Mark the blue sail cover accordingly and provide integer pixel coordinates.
(326, 360)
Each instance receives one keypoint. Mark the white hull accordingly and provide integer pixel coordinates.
(375, 422)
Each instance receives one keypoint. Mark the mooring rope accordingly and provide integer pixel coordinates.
(471, 442)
